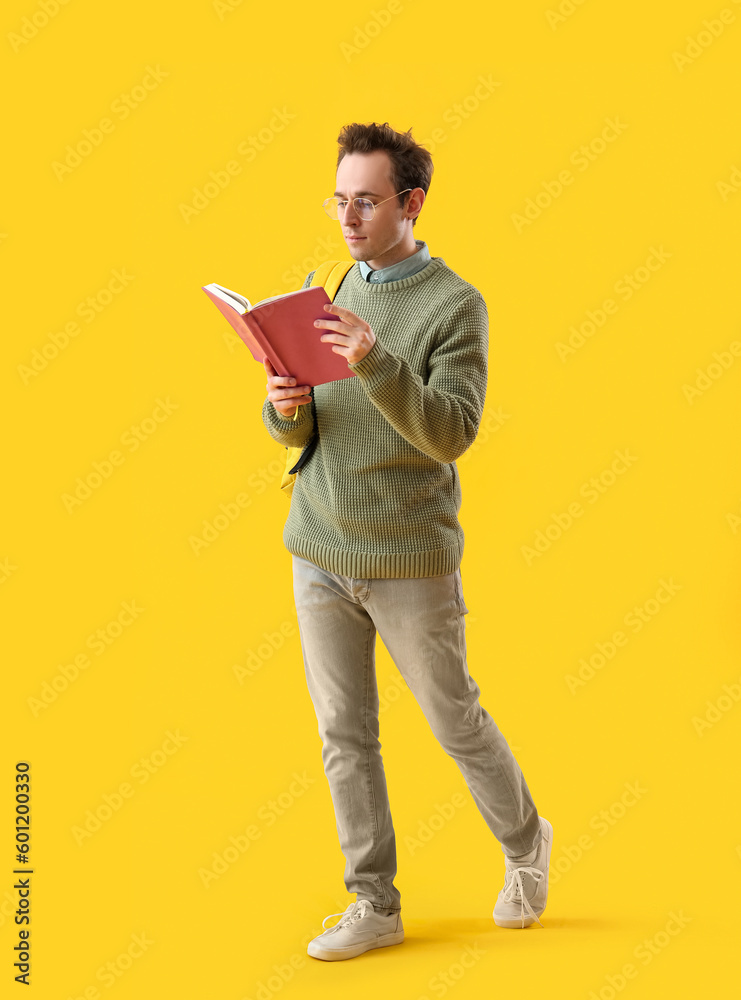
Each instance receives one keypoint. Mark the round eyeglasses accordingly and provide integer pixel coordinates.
(335, 207)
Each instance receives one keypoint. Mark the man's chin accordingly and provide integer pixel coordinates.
(358, 248)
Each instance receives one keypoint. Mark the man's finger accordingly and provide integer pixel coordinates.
(346, 314)
(349, 318)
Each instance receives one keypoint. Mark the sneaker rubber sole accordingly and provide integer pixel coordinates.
(338, 954)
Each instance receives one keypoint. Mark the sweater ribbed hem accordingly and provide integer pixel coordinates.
(372, 565)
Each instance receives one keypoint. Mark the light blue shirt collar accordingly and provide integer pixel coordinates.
(404, 269)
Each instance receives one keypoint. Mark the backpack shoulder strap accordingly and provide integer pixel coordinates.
(330, 274)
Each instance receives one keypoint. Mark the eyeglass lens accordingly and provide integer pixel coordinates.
(364, 208)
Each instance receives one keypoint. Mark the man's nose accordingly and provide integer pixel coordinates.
(351, 216)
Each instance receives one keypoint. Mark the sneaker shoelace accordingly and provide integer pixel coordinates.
(514, 889)
(359, 909)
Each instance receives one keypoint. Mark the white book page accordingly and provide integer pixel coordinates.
(233, 299)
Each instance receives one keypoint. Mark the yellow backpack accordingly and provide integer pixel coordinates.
(329, 274)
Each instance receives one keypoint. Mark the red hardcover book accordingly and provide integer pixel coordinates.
(281, 328)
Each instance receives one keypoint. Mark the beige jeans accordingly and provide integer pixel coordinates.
(421, 622)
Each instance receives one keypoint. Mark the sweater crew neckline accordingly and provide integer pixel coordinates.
(435, 265)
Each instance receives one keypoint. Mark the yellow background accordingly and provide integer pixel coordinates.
(197, 660)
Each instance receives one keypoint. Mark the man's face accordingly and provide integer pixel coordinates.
(389, 234)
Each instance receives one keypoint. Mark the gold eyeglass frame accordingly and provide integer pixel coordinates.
(326, 202)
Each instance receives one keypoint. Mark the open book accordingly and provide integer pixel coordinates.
(281, 328)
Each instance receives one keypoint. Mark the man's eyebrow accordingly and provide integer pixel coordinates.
(359, 194)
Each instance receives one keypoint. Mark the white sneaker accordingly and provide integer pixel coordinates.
(525, 886)
(360, 929)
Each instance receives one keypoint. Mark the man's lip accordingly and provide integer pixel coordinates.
(355, 237)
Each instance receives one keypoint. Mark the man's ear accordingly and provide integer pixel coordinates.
(411, 198)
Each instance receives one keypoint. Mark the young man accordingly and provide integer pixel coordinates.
(376, 543)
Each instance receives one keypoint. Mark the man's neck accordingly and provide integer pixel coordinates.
(375, 265)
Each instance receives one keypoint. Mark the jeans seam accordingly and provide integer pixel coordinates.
(369, 771)
(467, 717)
(503, 771)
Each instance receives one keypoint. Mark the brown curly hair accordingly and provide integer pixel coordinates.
(411, 163)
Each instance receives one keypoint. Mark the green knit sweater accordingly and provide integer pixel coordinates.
(380, 496)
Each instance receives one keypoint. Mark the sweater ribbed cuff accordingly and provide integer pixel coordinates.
(302, 414)
(374, 365)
